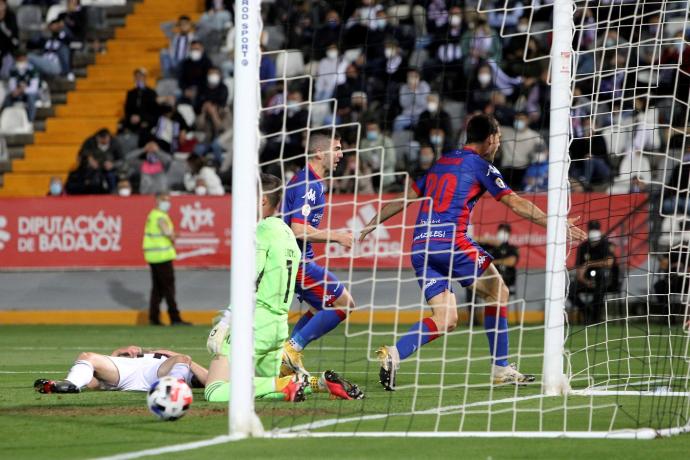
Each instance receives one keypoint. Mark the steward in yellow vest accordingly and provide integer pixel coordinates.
(159, 252)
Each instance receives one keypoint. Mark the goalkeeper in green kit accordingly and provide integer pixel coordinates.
(277, 260)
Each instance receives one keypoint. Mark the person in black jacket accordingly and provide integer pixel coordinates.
(194, 70)
(211, 104)
(87, 179)
(434, 117)
(9, 38)
(141, 106)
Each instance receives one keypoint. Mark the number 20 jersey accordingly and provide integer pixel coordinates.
(454, 184)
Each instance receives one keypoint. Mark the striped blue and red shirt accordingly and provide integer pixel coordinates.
(454, 184)
(304, 203)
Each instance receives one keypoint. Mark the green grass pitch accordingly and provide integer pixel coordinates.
(94, 424)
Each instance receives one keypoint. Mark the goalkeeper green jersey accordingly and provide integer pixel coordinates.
(277, 262)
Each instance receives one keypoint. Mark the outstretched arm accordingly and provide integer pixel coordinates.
(528, 210)
(314, 235)
(389, 210)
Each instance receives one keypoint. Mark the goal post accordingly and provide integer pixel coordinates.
(624, 375)
(554, 380)
(243, 420)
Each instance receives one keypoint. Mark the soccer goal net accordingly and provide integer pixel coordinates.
(566, 338)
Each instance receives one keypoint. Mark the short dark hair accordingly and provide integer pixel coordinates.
(505, 226)
(322, 140)
(480, 127)
(183, 17)
(271, 187)
(103, 132)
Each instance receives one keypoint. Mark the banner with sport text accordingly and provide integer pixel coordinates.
(106, 231)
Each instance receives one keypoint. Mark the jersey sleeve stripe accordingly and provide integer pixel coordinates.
(299, 220)
(416, 189)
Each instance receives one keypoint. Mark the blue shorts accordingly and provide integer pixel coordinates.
(437, 269)
(317, 286)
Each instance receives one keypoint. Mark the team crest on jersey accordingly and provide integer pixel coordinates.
(500, 183)
(310, 195)
(306, 210)
(493, 169)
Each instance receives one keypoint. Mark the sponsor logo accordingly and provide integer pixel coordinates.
(429, 284)
(194, 217)
(310, 195)
(378, 242)
(306, 210)
(4, 235)
(99, 232)
(500, 183)
(196, 236)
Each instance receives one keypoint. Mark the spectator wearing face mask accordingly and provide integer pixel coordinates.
(180, 43)
(426, 159)
(434, 117)
(330, 73)
(56, 188)
(378, 151)
(517, 144)
(194, 70)
(23, 85)
(328, 34)
(412, 99)
(354, 82)
(212, 105)
(124, 188)
(148, 166)
(87, 179)
(481, 88)
(295, 121)
(536, 177)
(480, 43)
(596, 274)
(141, 105)
(9, 37)
(201, 179)
(107, 152)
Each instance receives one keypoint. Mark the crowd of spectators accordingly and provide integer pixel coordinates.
(403, 75)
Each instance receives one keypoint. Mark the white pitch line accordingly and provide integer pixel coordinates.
(436, 411)
(32, 372)
(174, 448)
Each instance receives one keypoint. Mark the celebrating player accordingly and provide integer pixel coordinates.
(303, 211)
(126, 369)
(442, 250)
(277, 255)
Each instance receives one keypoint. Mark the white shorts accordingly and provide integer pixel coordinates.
(137, 374)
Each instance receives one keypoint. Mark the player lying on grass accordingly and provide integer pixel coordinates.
(277, 254)
(129, 368)
(442, 250)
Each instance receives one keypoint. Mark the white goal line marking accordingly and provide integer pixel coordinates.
(436, 411)
(174, 448)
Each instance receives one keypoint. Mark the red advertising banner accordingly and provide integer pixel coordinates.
(106, 231)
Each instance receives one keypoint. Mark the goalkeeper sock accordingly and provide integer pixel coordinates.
(81, 373)
(180, 371)
(497, 333)
(323, 322)
(302, 322)
(420, 333)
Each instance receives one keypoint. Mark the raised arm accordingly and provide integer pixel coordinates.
(308, 233)
(528, 210)
(389, 210)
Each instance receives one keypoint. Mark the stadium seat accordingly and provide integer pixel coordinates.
(29, 21)
(4, 151)
(15, 121)
(167, 87)
(290, 63)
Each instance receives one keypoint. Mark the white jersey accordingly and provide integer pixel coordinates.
(138, 374)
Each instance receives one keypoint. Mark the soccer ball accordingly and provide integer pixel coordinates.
(169, 398)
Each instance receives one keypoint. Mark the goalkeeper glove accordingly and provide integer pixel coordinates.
(214, 343)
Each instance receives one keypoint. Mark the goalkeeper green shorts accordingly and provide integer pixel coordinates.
(270, 332)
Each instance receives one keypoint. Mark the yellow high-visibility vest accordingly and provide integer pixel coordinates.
(158, 248)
